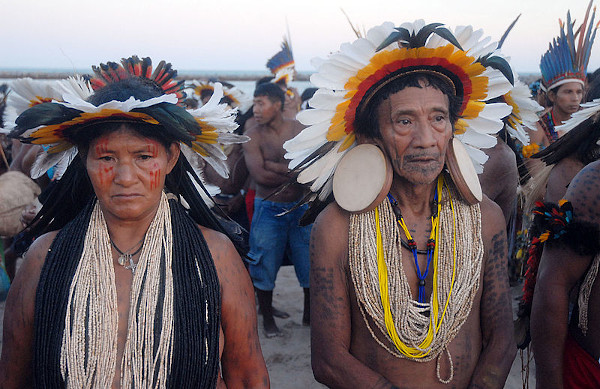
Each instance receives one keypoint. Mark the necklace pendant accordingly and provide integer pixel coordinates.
(132, 265)
(124, 258)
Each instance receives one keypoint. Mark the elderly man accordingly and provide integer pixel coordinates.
(409, 290)
(127, 287)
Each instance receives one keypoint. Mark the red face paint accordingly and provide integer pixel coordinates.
(101, 147)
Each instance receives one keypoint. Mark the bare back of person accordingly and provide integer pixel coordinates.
(586, 208)
(500, 177)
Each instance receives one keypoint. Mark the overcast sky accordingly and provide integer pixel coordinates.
(242, 34)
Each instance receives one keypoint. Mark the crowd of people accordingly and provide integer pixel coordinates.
(409, 188)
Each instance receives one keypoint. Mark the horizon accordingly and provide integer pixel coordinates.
(241, 36)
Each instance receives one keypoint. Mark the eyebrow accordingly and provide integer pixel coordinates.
(413, 111)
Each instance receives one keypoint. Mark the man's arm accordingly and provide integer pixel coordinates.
(16, 369)
(242, 361)
(332, 363)
(560, 269)
(498, 346)
(256, 163)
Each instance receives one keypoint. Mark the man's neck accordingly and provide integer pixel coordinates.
(413, 198)
(559, 116)
(276, 124)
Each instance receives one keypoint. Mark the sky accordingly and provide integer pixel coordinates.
(242, 35)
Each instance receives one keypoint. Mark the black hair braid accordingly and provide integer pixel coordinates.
(52, 296)
(195, 365)
(179, 182)
(195, 297)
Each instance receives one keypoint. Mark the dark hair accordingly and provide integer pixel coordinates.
(272, 91)
(593, 91)
(307, 94)
(367, 121)
(264, 80)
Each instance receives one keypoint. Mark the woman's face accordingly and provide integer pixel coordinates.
(128, 171)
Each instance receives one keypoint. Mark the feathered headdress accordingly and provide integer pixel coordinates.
(282, 64)
(199, 131)
(524, 108)
(348, 79)
(232, 95)
(567, 57)
(524, 111)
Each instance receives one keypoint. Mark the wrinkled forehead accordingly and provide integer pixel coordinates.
(412, 100)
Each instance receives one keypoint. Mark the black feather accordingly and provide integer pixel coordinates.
(500, 64)
(42, 115)
(314, 156)
(393, 37)
(314, 208)
(421, 38)
(508, 30)
(448, 35)
(175, 120)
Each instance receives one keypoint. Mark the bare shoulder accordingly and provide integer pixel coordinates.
(492, 219)
(24, 285)
(584, 193)
(17, 339)
(34, 257)
(332, 221)
(295, 126)
(221, 249)
(560, 177)
(329, 238)
(537, 135)
(252, 132)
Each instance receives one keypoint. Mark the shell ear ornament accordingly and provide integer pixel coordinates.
(463, 172)
(362, 179)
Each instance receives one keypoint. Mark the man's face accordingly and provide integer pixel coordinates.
(567, 97)
(265, 110)
(128, 173)
(415, 128)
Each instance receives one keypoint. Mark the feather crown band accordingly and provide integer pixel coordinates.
(282, 64)
(568, 54)
(201, 132)
(348, 78)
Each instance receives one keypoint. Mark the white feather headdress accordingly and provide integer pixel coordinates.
(349, 77)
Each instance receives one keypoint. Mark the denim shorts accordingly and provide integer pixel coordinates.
(271, 236)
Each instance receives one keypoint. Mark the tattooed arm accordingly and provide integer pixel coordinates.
(559, 271)
(16, 363)
(332, 363)
(242, 362)
(498, 346)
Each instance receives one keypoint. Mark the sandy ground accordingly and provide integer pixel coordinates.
(288, 357)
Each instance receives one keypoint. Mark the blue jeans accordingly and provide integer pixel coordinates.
(270, 235)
